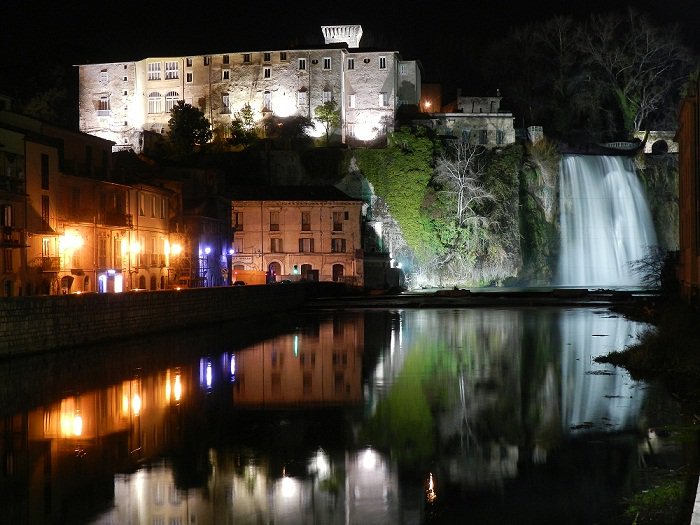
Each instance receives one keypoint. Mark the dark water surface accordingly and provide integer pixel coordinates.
(425, 416)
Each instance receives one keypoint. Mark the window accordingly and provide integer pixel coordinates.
(306, 221)
(225, 59)
(207, 61)
(102, 252)
(7, 260)
(306, 245)
(238, 221)
(153, 206)
(7, 215)
(403, 69)
(171, 98)
(45, 212)
(327, 63)
(267, 101)
(44, 171)
(351, 101)
(351, 130)
(142, 204)
(382, 62)
(276, 245)
(246, 58)
(383, 99)
(500, 136)
(103, 76)
(483, 136)
(163, 207)
(274, 221)
(188, 77)
(154, 71)
(225, 74)
(327, 96)
(188, 62)
(172, 70)
(267, 57)
(338, 245)
(225, 107)
(155, 102)
(338, 217)
(283, 56)
(351, 64)
(302, 64)
(103, 106)
(267, 72)
(302, 98)
(45, 247)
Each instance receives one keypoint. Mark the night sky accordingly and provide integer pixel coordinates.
(448, 37)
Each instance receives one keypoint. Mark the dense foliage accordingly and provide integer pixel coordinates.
(189, 128)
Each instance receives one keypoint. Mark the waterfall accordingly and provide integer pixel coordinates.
(605, 222)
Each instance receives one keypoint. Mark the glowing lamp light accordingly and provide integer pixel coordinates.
(316, 130)
(135, 247)
(207, 250)
(177, 388)
(368, 127)
(369, 459)
(77, 425)
(176, 249)
(70, 241)
(283, 106)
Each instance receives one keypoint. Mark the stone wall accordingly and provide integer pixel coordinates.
(41, 323)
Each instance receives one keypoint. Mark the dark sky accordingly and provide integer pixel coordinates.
(447, 36)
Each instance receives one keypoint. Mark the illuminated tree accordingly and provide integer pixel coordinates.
(243, 128)
(189, 128)
(329, 117)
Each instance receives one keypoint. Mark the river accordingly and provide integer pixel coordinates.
(377, 416)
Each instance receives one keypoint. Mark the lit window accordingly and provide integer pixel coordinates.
(338, 245)
(154, 71)
(351, 64)
(172, 70)
(171, 98)
(326, 63)
(306, 245)
(382, 62)
(302, 64)
(155, 102)
(267, 72)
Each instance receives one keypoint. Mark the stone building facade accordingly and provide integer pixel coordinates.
(123, 101)
(298, 232)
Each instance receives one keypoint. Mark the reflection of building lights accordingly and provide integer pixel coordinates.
(207, 250)
(233, 365)
(77, 425)
(288, 487)
(177, 389)
(136, 404)
(319, 465)
(430, 494)
(369, 459)
(208, 375)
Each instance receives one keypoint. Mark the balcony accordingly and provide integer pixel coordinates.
(11, 237)
(50, 264)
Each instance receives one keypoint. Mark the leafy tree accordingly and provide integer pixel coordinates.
(641, 65)
(243, 128)
(328, 116)
(189, 128)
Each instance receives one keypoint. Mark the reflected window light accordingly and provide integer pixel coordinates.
(77, 425)
(206, 377)
(136, 404)
(296, 346)
(177, 394)
(288, 487)
(233, 366)
(368, 459)
(167, 385)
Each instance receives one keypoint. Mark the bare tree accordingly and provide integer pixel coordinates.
(461, 174)
(642, 65)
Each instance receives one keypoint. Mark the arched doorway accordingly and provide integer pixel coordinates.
(273, 270)
(337, 272)
(154, 282)
(142, 282)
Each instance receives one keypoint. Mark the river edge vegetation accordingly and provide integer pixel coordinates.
(667, 352)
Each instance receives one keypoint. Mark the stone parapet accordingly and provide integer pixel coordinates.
(43, 323)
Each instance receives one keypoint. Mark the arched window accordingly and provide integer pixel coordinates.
(155, 102)
(154, 283)
(142, 282)
(171, 98)
(275, 268)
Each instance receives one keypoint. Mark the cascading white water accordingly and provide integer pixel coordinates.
(605, 222)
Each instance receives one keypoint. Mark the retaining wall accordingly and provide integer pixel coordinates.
(41, 323)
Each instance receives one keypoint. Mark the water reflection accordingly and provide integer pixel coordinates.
(408, 416)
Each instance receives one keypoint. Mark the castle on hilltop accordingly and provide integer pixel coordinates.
(124, 101)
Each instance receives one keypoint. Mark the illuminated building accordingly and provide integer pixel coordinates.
(298, 232)
(125, 101)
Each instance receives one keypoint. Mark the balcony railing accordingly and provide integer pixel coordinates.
(50, 264)
(11, 237)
